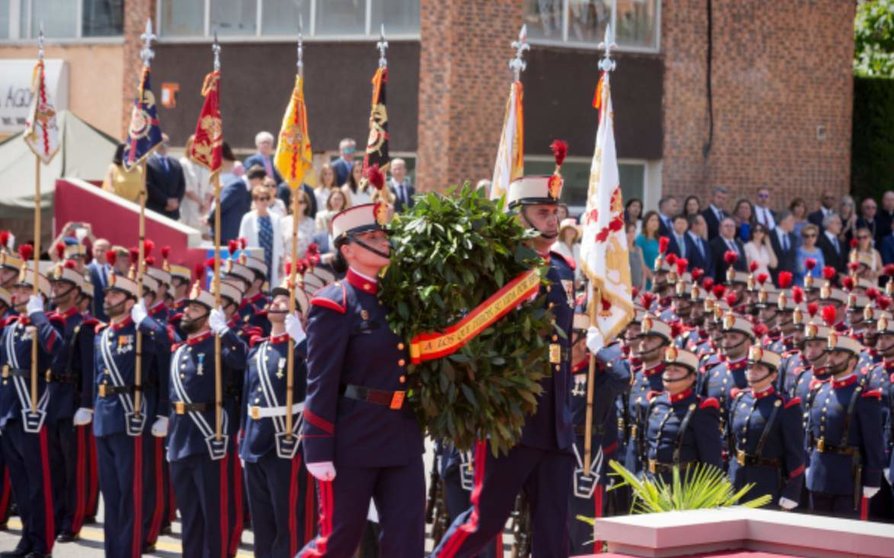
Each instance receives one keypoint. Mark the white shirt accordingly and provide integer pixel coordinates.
(834, 240)
(765, 217)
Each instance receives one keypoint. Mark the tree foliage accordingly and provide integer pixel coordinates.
(874, 38)
(450, 254)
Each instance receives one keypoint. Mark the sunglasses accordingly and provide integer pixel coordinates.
(863, 237)
(262, 198)
(763, 196)
(810, 236)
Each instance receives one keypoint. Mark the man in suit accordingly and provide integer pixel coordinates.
(235, 201)
(342, 166)
(264, 156)
(165, 184)
(826, 208)
(835, 252)
(716, 211)
(400, 186)
(667, 209)
(867, 220)
(697, 249)
(677, 236)
(99, 278)
(727, 241)
(762, 212)
(784, 244)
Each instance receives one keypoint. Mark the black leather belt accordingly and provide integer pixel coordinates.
(108, 390)
(394, 400)
(749, 460)
(181, 408)
(581, 430)
(17, 372)
(822, 447)
(657, 468)
(61, 378)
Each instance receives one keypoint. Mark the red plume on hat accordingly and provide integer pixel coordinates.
(854, 243)
(810, 264)
(883, 302)
(731, 299)
(888, 270)
(829, 315)
(647, 299)
(375, 177)
(134, 254)
(111, 257)
(662, 244)
(785, 279)
(150, 261)
(60, 250)
(165, 252)
(682, 264)
(634, 292)
(199, 271)
(762, 278)
(797, 295)
(697, 273)
(70, 264)
(671, 259)
(209, 264)
(718, 291)
(853, 266)
(812, 308)
(243, 242)
(872, 293)
(760, 330)
(730, 257)
(848, 283)
(676, 328)
(708, 284)
(4, 238)
(148, 247)
(752, 267)
(828, 273)
(560, 151)
(233, 247)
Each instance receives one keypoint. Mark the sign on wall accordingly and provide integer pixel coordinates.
(15, 90)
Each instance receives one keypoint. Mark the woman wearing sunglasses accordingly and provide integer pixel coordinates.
(809, 251)
(261, 228)
(864, 253)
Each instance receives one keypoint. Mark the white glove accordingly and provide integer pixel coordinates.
(218, 321)
(35, 305)
(83, 416)
(160, 427)
(323, 471)
(594, 340)
(138, 313)
(887, 472)
(870, 491)
(294, 328)
(787, 504)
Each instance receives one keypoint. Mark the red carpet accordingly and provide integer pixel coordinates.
(722, 554)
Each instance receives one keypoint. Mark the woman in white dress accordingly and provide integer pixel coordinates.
(325, 185)
(759, 250)
(336, 203)
(250, 229)
(357, 195)
(197, 199)
(306, 226)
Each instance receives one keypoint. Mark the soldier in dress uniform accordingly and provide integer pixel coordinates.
(682, 427)
(181, 279)
(25, 433)
(655, 337)
(198, 456)
(6, 314)
(844, 434)
(360, 440)
(814, 355)
(124, 431)
(254, 296)
(280, 490)
(542, 464)
(611, 379)
(10, 265)
(766, 435)
(738, 335)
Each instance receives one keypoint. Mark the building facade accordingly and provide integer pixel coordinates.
(740, 93)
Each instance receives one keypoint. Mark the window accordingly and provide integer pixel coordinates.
(62, 19)
(4, 19)
(582, 22)
(280, 18)
(59, 18)
(102, 18)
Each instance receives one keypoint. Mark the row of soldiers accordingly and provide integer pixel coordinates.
(127, 408)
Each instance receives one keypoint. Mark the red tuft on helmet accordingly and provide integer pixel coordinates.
(785, 279)
(872, 293)
(676, 328)
(375, 177)
(731, 299)
(760, 330)
(810, 264)
(853, 266)
(797, 295)
(730, 257)
(718, 291)
(829, 315)
(165, 252)
(233, 246)
(848, 283)
(671, 259)
(60, 250)
(682, 264)
(243, 242)
(70, 264)
(828, 273)
(762, 278)
(646, 299)
(752, 267)
(812, 308)
(697, 273)
(883, 302)
(199, 271)
(708, 283)
(134, 254)
(560, 151)
(634, 292)
(662, 244)
(111, 257)
(148, 247)
(4, 238)
(854, 243)
(150, 261)
(888, 270)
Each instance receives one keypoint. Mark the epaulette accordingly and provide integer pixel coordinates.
(872, 394)
(324, 302)
(736, 393)
(568, 261)
(709, 403)
(56, 319)
(256, 340)
(90, 322)
(814, 384)
(792, 402)
(652, 394)
(99, 327)
(175, 318)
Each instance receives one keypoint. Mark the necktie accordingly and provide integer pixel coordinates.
(164, 163)
(403, 193)
(265, 238)
(268, 167)
(784, 238)
(682, 244)
(835, 244)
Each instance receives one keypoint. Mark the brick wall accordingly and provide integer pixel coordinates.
(136, 12)
(464, 80)
(780, 70)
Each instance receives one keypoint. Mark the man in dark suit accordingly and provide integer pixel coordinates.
(235, 201)
(698, 252)
(784, 244)
(400, 186)
(165, 184)
(264, 156)
(284, 192)
(827, 208)
(99, 278)
(667, 210)
(716, 211)
(725, 242)
(677, 236)
(887, 248)
(835, 252)
(867, 220)
(762, 212)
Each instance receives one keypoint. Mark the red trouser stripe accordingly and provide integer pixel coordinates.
(236, 535)
(49, 518)
(224, 512)
(327, 508)
(293, 504)
(77, 521)
(597, 502)
(452, 546)
(310, 507)
(158, 512)
(136, 543)
(5, 490)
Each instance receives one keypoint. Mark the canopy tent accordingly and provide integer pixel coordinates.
(84, 152)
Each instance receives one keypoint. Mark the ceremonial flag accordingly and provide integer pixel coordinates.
(377, 144)
(604, 243)
(41, 128)
(144, 132)
(511, 154)
(207, 147)
(294, 156)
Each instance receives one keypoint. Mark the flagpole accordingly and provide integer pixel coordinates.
(35, 279)
(138, 369)
(293, 272)
(606, 64)
(218, 381)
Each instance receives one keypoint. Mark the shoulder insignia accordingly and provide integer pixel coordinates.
(99, 327)
(325, 301)
(872, 394)
(794, 401)
(56, 319)
(736, 393)
(175, 318)
(709, 403)
(568, 261)
(90, 322)
(256, 340)
(652, 394)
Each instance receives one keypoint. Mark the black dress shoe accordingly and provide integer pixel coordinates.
(166, 530)
(90, 520)
(38, 555)
(149, 549)
(14, 554)
(4, 526)
(67, 537)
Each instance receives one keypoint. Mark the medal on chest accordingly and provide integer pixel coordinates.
(280, 366)
(580, 385)
(125, 344)
(569, 291)
(200, 365)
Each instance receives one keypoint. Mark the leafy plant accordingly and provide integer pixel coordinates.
(874, 38)
(702, 486)
(450, 254)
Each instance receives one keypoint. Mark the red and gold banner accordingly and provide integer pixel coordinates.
(432, 345)
(207, 147)
(294, 156)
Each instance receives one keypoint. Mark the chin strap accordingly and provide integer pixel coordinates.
(370, 248)
(552, 236)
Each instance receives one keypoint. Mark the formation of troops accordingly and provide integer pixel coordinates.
(788, 388)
